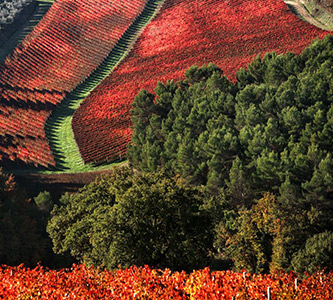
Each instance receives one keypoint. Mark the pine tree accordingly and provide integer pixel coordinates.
(239, 183)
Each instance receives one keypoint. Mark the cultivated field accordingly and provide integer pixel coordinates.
(77, 44)
(227, 33)
(68, 44)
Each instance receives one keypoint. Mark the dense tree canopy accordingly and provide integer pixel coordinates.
(128, 218)
(274, 124)
(270, 131)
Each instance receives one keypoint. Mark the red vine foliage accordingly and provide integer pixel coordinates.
(65, 47)
(228, 33)
(81, 282)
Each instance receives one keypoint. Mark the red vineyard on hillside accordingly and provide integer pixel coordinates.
(228, 33)
(68, 44)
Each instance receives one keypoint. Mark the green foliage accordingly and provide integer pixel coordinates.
(275, 120)
(44, 201)
(317, 253)
(133, 218)
(250, 246)
(70, 213)
(271, 131)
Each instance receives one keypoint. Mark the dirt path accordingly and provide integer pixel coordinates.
(57, 184)
(299, 8)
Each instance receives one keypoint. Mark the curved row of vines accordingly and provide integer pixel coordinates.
(58, 126)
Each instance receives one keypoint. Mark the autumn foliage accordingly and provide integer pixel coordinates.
(81, 282)
(186, 32)
(74, 37)
(68, 44)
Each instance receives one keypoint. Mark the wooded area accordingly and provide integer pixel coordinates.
(259, 153)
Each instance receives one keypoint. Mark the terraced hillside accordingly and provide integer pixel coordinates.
(228, 33)
(72, 39)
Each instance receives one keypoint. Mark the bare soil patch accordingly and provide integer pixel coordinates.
(56, 184)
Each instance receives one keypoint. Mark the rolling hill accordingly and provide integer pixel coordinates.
(76, 42)
(68, 44)
(227, 33)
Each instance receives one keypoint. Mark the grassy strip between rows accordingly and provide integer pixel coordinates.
(41, 9)
(58, 127)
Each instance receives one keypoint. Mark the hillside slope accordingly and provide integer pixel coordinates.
(11, 37)
(58, 126)
(228, 33)
(72, 39)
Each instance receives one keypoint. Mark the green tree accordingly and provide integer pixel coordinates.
(251, 245)
(239, 184)
(44, 201)
(143, 108)
(270, 131)
(134, 218)
(317, 253)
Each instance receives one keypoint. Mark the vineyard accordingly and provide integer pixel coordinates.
(69, 73)
(79, 43)
(227, 33)
(146, 283)
(58, 55)
(58, 126)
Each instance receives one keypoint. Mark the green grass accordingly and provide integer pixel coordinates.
(58, 127)
(62, 143)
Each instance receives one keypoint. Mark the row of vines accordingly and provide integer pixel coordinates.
(227, 33)
(68, 44)
(58, 126)
(75, 37)
(81, 282)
